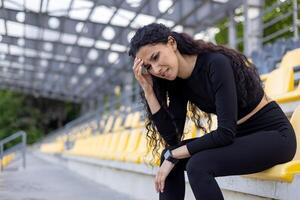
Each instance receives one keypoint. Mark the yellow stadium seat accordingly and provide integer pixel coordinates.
(128, 120)
(140, 152)
(286, 171)
(112, 145)
(79, 147)
(89, 146)
(86, 149)
(105, 145)
(96, 143)
(289, 96)
(133, 141)
(280, 86)
(279, 82)
(291, 59)
(120, 147)
(136, 120)
(53, 147)
(118, 124)
(108, 124)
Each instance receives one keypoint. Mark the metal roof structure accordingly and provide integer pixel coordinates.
(76, 50)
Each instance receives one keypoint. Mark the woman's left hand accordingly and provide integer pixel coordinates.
(162, 174)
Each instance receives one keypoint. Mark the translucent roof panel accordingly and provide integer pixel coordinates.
(58, 8)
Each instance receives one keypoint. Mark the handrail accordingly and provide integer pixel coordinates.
(20, 146)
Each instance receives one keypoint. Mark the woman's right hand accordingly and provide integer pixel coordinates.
(145, 80)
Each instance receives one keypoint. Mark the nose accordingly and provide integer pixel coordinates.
(156, 69)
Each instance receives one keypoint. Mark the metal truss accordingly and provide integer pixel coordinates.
(78, 52)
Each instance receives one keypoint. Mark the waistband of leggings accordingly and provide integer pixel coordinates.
(271, 106)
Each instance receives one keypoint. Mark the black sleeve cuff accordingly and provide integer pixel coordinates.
(157, 115)
(201, 143)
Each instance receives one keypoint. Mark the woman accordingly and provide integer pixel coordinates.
(253, 133)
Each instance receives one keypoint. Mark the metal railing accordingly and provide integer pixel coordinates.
(20, 146)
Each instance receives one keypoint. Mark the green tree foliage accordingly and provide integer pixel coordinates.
(285, 23)
(222, 36)
(269, 15)
(36, 116)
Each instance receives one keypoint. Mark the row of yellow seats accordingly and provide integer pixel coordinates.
(83, 136)
(81, 131)
(75, 135)
(129, 146)
(115, 146)
(112, 124)
(53, 147)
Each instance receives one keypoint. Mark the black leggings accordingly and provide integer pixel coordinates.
(264, 140)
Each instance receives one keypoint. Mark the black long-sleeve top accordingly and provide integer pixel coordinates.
(212, 87)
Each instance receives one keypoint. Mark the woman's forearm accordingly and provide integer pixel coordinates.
(181, 152)
(152, 102)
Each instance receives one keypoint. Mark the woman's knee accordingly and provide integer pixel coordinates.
(199, 163)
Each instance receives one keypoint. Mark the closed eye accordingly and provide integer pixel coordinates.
(156, 57)
(148, 67)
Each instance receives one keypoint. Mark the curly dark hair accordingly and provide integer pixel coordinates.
(245, 73)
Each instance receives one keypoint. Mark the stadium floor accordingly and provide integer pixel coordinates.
(42, 180)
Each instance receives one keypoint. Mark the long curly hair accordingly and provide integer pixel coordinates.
(245, 73)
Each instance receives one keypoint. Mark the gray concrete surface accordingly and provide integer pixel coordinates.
(42, 180)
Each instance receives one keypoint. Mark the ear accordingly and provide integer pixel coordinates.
(172, 42)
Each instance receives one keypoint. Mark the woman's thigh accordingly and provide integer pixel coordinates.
(248, 154)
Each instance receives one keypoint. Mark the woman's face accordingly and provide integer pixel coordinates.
(160, 59)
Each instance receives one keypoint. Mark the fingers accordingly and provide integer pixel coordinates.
(137, 67)
(162, 185)
(156, 183)
(159, 182)
(137, 63)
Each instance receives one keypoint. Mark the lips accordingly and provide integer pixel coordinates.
(164, 74)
